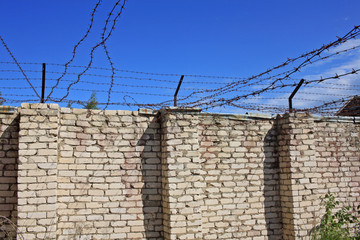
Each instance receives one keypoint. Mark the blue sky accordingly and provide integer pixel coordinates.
(224, 38)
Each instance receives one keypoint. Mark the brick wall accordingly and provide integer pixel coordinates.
(241, 172)
(9, 128)
(183, 181)
(180, 174)
(300, 198)
(109, 175)
(337, 155)
(37, 175)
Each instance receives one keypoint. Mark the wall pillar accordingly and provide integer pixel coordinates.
(37, 174)
(182, 183)
(300, 199)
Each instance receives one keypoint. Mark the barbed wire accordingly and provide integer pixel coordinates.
(124, 92)
(342, 84)
(94, 48)
(128, 104)
(336, 76)
(168, 95)
(227, 77)
(104, 103)
(270, 87)
(172, 88)
(106, 50)
(327, 106)
(18, 95)
(309, 56)
(20, 100)
(18, 65)
(135, 72)
(178, 74)
(232, 87)
(334, 88)
(351, 86)
(175, 74)
(241, 93)
(158, 74)
(101, 83)
(122, 77)
(14, 79)
(66, 65)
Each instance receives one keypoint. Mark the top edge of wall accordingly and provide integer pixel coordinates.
(8, 109)
(197, 111)
(241, 117)
(337, 119)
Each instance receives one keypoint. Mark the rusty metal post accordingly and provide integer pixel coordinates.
(43, 83)
(177, 90)
(293, 94)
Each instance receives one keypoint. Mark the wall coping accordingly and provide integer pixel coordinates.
(240, 117)
(344, 119)
(8, 109)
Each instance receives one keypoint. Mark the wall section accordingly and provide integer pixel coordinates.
(90, 174)
(109, 175)
(9, 141)
(337, 148)
(241, 172)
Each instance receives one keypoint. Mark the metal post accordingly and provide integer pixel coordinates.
(43, 83)
(293, 94)
(177, 90)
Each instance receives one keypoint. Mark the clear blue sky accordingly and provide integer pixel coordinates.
(227, 38)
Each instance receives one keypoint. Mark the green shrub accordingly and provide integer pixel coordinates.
(337, 226)
(92, 103)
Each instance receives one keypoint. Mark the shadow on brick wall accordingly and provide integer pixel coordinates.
(271, 186)
(150, 142)
(9, 142)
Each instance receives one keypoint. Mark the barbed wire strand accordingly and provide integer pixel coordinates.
(309, 56)
(224, 101)
(212, 100)
(216, 77)
(66, 65)
(17, 63)
(172, 81)
(327, 104)
(122, 77)
(106, 50)
(231, 87)
(178, 74)
(93, 50)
